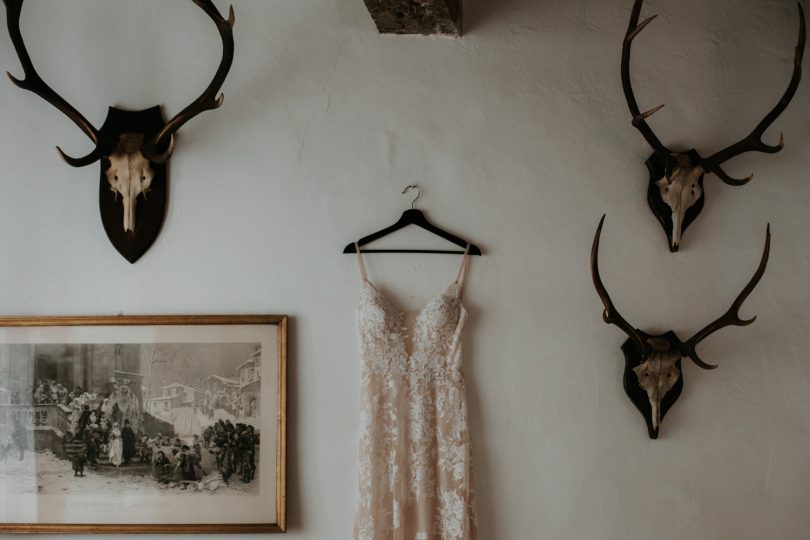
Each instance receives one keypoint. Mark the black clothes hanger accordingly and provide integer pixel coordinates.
(413, 217)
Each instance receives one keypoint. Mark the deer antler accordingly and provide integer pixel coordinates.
(732, 316)
(639, 118)
(208, 100)
(753, 142)
(611, 315)
(34, 83)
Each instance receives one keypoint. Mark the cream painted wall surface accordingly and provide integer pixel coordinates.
(520, 136)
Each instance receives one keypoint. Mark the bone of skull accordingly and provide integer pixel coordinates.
(680, 190)
(130, 175)
(658, 374)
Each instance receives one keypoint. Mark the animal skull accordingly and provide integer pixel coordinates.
(658, 374)
(680, 189)
(129, 175)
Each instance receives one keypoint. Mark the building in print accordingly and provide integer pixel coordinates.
(171, 398)
(217, 392)
(248, 395)
(94, 368)
(236, 397)
(178, 404)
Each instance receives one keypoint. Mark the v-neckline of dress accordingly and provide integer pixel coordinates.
(408, 335)
(417, 312)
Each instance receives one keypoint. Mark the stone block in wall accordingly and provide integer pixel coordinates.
(427, 17)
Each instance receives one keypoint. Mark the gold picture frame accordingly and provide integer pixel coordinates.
(122, 370)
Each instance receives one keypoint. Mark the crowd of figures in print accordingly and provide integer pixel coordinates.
(130, 418)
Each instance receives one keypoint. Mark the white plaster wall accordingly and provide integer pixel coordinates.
(520, 136)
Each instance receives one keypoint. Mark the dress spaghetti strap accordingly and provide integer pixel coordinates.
(462, 271)
(361, 263)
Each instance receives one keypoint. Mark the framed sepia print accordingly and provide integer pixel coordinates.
(143, 424)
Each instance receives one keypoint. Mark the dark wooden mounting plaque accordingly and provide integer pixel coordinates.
(636, 393)
(427, 17)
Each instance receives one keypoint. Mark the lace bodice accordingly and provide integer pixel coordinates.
(433, 338)
(415, 455)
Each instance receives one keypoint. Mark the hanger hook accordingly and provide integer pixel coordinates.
(418, 193)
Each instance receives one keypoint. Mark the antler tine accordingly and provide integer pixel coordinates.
(753, 142)
(208, 100)
(731, 181)
(732, 316)
(610, 315)
(89, 159)
(639, 118)
(34, 83)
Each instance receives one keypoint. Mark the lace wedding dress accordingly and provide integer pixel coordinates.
(415, 454)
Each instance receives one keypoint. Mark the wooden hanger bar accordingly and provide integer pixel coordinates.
(413, 217)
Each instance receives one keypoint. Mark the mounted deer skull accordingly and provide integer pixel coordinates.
(129, 175)
(652, 374)
(132, 146)
(675, 192)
